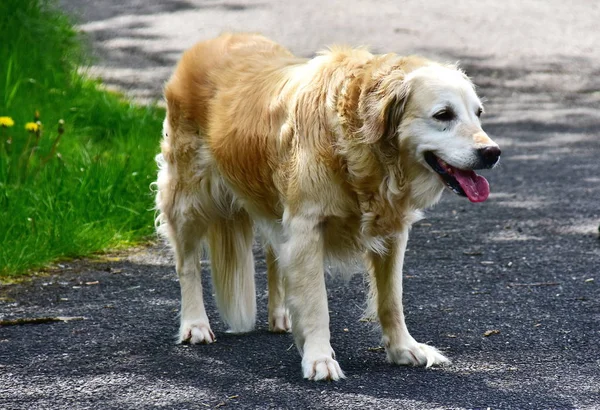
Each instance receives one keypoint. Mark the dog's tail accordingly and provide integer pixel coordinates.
(230, 243)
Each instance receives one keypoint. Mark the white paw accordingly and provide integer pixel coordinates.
(279, 321)
(413, 353)
(195, 332)
(321, 368)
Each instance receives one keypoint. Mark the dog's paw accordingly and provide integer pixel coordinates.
(416, 354)
(195, 332)
(279, 321)
(321, 368)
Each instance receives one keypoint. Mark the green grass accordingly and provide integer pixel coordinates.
(92, 191)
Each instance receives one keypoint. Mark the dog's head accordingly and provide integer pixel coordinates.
(432, 112)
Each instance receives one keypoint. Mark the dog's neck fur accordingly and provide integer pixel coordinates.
(387, 201)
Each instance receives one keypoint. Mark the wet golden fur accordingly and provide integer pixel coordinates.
(309, 152)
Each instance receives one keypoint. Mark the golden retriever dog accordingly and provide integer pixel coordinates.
(328, 158)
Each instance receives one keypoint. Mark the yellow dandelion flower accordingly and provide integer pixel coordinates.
(32, 127)
(6, 122)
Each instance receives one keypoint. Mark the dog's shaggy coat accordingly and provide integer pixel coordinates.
(330, 158)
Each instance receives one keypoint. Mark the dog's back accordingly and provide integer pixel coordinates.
(214, 65)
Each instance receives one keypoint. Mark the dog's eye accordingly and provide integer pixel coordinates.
(444, 115)
(479, 112)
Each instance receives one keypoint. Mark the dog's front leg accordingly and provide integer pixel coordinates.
(386, 272)
(306, 297)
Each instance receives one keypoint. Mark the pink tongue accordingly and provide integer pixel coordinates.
(475, 186)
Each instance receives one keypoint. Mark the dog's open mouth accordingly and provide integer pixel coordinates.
(462, 182)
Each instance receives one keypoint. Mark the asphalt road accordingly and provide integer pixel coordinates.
(526, 263)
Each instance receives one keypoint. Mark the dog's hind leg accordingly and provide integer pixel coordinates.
(386, 273)
(194, 325)
(184, 229)
(279, 320)
(232, 263)
(185, 210)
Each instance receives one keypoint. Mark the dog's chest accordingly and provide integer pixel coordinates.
(342, 236)
(347, 237)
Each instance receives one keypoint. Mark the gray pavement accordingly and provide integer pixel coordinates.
(525, 263)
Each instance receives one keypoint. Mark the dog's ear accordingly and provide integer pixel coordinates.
(383, 104)
(392, 117)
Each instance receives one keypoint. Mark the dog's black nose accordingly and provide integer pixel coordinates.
(489, 155)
